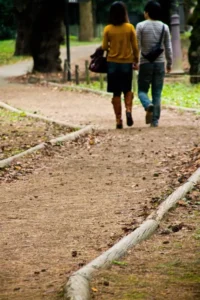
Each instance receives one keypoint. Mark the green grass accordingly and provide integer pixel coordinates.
(9, 116)
(7, 49)
(75, 42)
(176, 93)
(181, 94)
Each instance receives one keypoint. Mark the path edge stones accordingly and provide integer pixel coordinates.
(36, 116)
(68, 137)
(78, 285)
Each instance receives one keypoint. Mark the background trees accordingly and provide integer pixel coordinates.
(135, 9)
(39, 32)
(86, 32)
(7, 21)
(23, 16)
(194, 50)
(37, 25)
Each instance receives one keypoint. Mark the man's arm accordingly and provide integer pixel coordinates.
(138, 33)
(168, 49)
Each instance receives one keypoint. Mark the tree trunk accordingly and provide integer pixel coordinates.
(22, 45)
(39, 32)
(86, 32)
(194, 50)
(165, 11)
(24, 27)
(47, 36)
(94, 19)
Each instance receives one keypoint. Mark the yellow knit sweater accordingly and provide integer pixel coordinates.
(121, 43)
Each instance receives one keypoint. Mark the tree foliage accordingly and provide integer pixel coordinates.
(39, 23)
(103, 6)
(86, 32)
(7, 20)
(194, 50)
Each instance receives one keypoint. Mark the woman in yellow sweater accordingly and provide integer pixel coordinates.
(120, 42)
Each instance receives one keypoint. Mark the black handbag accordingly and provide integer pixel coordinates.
(98, 62)
(156, 50)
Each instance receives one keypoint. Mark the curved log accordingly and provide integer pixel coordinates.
(77, 288)
(35, 116)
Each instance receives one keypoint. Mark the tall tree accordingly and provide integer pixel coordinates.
(23, 14)
(194, 50)
(86, 31)
(46, 35)
(39, 34)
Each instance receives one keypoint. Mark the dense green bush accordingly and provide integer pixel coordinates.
(7, 20)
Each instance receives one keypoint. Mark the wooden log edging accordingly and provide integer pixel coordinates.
(68, 137)
(78, 288)
(35, 116)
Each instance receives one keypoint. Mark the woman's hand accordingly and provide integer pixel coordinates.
(135, 66)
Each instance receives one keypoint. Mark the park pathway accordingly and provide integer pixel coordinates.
(76, 203)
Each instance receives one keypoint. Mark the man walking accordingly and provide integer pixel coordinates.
(152, 70)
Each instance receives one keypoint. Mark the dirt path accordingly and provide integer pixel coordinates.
(77, 202)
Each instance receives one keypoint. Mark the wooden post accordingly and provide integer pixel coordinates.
(176, 44)
(65, 71)
(101, 80)
(77, 74)
(87, 75)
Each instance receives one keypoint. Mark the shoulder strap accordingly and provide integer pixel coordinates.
(161, 36)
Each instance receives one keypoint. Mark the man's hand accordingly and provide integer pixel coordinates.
(169, 69)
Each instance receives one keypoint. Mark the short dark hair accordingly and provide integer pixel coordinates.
(118, 13)
(153, 9)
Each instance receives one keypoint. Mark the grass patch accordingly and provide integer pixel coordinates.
(9, 116)
(7, 49)
(181, 94)
(95, 85)
(75, 42)
(119, 263)
(197, 235)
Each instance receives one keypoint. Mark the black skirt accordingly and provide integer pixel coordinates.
(119, 77)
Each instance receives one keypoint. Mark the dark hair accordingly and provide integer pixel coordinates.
(118, 13)
(153, 9)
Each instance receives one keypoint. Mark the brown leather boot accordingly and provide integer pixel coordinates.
(128, 104)
(116, 101)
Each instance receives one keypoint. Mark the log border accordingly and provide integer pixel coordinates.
(68, 137)
(36, 116)
(78, 287)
